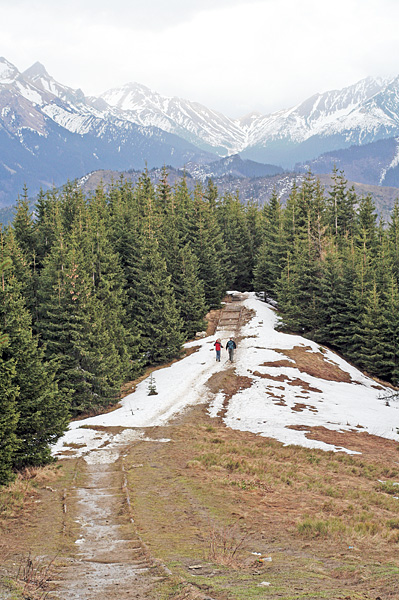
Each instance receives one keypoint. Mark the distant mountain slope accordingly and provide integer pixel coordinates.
(257, 189)
(6, 215)
(376, 163)
(232, 166)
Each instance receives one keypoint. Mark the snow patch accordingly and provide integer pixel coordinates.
(394, 163)
(269, 407)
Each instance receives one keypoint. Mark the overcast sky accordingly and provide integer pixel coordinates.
(235, 56)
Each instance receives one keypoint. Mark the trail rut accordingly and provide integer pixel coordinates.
(110, 561)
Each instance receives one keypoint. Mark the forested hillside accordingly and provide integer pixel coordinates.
(95, 288)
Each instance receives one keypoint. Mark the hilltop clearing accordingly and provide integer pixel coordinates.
(292, 384)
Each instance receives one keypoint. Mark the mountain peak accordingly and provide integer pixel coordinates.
(36, 71)
(7, 71)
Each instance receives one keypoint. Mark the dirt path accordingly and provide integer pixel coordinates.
(110, 559)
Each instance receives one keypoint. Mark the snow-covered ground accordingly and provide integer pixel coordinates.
(339, 406)
(265, 408)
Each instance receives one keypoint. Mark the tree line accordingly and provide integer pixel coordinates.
(94, 288)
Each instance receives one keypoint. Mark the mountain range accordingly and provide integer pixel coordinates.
(50, 132)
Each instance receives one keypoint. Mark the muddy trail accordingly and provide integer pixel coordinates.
(110, 560)
(99, 553)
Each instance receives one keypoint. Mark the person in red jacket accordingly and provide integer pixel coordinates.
(218, 347)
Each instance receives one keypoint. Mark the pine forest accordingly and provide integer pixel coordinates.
(95, 288)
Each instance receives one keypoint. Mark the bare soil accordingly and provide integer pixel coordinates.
(312, 363)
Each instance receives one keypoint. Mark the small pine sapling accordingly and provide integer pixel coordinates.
(152, 388)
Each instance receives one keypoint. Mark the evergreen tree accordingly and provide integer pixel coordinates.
(24, 227)
(340, 203)
(334, 315)
(298, 291)
(189, 292)
(72, 323)
(153, 307)
(390, 307)
(43, 413)
(393, 237)
(237, 240)
(109, 287)
(207, 243)
(376, 356)
(8, 415)
(8, 407)
(269, 261)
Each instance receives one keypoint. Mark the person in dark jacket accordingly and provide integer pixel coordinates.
(231, 346)
(218, 347)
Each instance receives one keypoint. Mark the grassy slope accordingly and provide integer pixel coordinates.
(331, 529)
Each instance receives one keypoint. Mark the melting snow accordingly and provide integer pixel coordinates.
(265, 408)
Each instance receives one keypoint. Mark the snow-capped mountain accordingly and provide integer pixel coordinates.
(192, 121)
(359, 114)
(50, 132)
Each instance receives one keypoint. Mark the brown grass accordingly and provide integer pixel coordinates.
(294, 382)
(312, 363)
(298, 407)
(21, 494)
(229, 383)
(303, 507)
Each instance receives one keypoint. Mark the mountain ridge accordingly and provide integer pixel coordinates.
(50, 132)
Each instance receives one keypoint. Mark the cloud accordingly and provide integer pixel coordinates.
(152, 15)
(232, 55)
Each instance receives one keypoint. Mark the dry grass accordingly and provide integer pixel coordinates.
(21, 493)
(33, 576)
(229, 383)
(340, 492)
(226, 546)
(313, 363)
(294, 382)
(320, 515)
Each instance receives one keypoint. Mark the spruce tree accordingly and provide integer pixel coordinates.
(376, 356)
(153, 307)
(8, 406)
(43, 412)
(206, 241)
(238, 243)
(9, 416)
(340, 206)
(73, 325)
(189, 293)
(23, 226)
(269, 261)
(333, 301)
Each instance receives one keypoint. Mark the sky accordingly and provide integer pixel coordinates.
(235, 56)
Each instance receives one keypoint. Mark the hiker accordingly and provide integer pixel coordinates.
(218, 347)
(231, 346)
